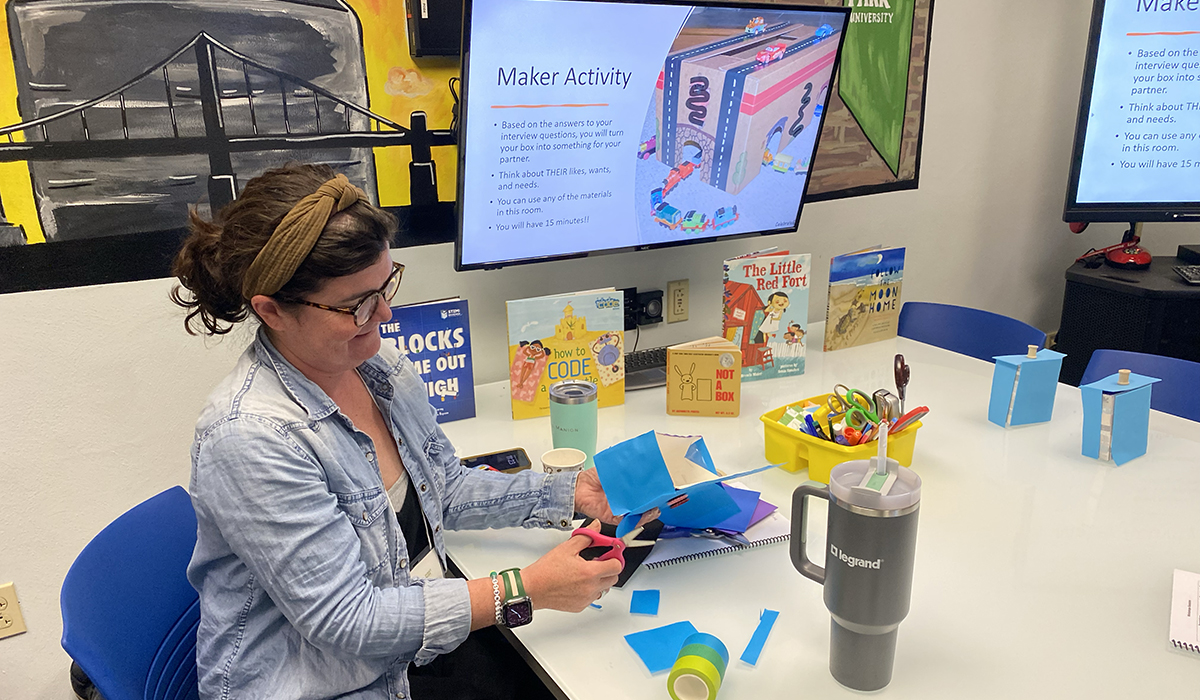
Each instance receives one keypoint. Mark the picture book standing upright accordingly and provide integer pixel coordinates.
(565, 336)
(864, 297)
(436, 336)
(765, 312)
(704, 378)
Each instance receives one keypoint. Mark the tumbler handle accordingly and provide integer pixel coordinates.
(800, 530)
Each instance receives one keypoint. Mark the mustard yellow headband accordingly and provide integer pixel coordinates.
(295, 236)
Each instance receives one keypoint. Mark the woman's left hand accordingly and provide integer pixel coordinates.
(590, 499)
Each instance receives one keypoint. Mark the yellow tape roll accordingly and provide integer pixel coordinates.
(693, 678)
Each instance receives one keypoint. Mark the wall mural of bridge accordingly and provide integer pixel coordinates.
(132, 112)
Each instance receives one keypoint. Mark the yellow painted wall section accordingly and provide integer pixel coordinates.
(16, 189)
(399, 85)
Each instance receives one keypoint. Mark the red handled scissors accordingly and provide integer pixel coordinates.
(616, 545)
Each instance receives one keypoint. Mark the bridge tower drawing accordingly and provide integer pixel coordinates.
(182, 124)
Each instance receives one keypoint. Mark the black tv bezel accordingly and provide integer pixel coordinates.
(464, 109)
(1073, 209)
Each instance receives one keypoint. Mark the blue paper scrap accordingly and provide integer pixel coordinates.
(759, 639)
(657, 648)
(644, 602)
(596, 606)
(746, 501)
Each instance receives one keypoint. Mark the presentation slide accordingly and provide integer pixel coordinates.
(595, 126)
(1143, 131)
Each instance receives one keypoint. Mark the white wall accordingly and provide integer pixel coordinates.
(100, 385)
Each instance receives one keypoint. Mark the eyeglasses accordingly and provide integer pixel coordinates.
(365, 309)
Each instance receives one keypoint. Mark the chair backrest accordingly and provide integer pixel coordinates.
(961, 329)
(129, 613)
(1179, 391)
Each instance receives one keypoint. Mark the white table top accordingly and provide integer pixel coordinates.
(1040, 573)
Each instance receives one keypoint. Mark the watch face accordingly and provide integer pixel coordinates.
(518, 612)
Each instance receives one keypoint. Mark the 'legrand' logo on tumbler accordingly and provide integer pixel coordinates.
(853, 562)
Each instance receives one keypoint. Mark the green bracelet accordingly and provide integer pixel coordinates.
(514, 588)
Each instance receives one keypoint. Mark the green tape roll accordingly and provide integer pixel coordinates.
(693, 678)
(707, 652)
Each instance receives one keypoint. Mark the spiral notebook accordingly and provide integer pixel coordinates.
(1185, 611)
(771, 529)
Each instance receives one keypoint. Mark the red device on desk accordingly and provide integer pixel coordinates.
(1127, 254)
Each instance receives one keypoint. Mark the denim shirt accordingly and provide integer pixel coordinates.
(302, 570)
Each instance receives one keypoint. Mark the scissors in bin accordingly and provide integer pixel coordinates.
(857, 406)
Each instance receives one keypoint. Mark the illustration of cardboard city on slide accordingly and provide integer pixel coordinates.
(728, 102)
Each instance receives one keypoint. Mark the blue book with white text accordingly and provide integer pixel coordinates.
(436, 336)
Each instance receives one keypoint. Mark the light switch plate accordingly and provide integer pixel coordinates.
(12, 622)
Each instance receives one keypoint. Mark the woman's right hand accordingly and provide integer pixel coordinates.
(562, 580)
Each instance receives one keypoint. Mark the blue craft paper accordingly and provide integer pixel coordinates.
(636, 479)
(1131, 424)
(1036, 387)
(707, 505)
(657, 648)
(747, 502)
(698, 453)
(1109, 384)
(765, 622)
(632, 470)
(1093, 406)
(644, 602)
(1003, 378)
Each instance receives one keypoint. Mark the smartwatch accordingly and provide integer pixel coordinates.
(516, 609)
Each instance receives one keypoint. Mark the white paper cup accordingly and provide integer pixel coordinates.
(563, 459)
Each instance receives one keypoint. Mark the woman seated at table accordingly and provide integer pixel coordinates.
(320, 479)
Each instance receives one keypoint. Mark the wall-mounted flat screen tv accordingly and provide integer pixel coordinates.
(601, 126)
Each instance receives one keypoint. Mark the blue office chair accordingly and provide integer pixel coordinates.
(129, 613)
(967, 331)
(1179, 391)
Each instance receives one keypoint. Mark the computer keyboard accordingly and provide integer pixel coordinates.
(1189, 273)
(645, 368)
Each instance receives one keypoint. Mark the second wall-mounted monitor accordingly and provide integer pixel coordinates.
(602, 126)
(1137, 155)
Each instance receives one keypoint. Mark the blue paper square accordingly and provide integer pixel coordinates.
(658, 647)
(644, 602)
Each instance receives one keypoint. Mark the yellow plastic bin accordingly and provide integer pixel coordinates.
(794, 450)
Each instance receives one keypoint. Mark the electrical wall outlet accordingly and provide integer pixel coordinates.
(11, 620)
(677, 301)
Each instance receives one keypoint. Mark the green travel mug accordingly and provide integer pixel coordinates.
(573, 416)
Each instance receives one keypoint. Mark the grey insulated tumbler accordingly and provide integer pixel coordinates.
(871, 541)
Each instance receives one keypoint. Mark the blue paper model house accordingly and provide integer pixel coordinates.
(1116, 416)
(1023, 387)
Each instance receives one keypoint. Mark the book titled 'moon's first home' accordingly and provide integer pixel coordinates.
(565, 336)
(864, 297)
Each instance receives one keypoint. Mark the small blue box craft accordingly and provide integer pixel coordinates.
(1116, 417)
(1023, 388)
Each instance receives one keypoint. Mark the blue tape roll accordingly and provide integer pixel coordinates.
(709, 641)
